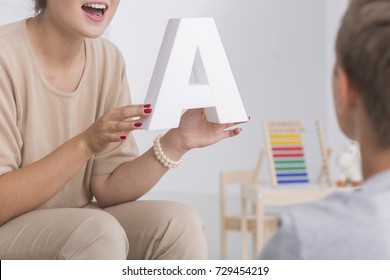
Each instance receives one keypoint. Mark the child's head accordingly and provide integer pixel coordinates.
(40, 5)
(363, 52)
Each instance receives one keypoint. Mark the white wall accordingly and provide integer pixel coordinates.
(276, 50)
(12, 10)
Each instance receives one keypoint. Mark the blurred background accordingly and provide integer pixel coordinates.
(281, 53)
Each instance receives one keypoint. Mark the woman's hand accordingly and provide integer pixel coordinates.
(114, 125)
(195, 131)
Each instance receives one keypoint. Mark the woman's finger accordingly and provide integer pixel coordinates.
(236, 123)
(116, 137)
(130, 112)
(230, 133)
(125, 126)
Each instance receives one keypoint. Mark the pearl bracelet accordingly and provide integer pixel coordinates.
(161, 157)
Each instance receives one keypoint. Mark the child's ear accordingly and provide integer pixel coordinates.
(346, 90)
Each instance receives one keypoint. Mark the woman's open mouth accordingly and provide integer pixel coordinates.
(95, 11)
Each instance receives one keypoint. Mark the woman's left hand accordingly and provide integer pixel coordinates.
(195, 131)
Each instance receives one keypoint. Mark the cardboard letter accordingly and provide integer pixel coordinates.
(192, 71)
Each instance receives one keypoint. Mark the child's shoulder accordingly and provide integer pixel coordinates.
(333, 209)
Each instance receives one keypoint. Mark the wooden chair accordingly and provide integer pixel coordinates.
(299, 172)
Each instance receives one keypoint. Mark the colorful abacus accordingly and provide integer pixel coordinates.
(289, 158)
(296, 153)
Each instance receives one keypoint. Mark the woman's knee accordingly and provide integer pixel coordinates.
(183, 216)
(184, 237)
(98, 236)
(161, 230)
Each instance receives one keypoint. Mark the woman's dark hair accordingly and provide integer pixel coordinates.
(40, 5)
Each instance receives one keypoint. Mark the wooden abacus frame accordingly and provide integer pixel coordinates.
(287, 137)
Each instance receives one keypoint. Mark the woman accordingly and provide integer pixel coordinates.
(66, 137)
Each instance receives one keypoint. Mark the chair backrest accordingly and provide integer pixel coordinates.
(296, 153)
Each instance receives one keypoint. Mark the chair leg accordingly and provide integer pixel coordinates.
(259, 229)
(244, 227)
(223, 240)
(271, 226)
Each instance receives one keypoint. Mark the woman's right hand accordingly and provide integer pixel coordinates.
(114, 125)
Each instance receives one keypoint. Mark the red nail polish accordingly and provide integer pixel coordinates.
(147, 105)
(123, 137)
(147, 111)
(138, 124)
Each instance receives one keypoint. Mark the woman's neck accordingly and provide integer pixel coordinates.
(61, 55)
(52, 43)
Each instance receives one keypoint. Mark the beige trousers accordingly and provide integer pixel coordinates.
(134, 230)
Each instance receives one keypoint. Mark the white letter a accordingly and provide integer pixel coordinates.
(192, 71)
